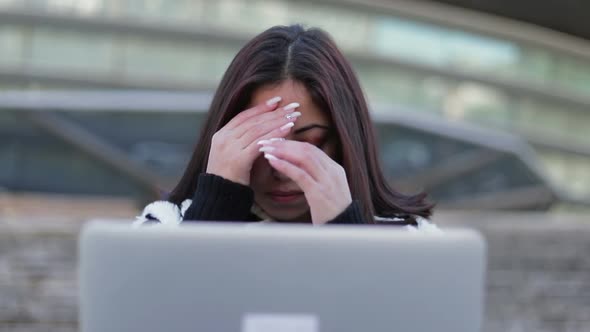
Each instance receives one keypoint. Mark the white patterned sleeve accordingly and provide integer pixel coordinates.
(424, 227)
(162, 213)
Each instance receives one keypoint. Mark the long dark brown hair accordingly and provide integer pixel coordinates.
(310, 57)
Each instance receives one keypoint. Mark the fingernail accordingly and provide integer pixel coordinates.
(270, 140)
(287, 126)
(290, 107)
(273, 101)
(266, 149)
(293, 115)
(270, 156)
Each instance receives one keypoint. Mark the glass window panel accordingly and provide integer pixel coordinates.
(534, 65)
(526, 112)
(395, 86)
(570, 172)
(177, 10)
(578, 124)
(555, 166)
(542, 118)
(11, 43)
(10, 3)
(114, 8)
(464, 101)
(419, 42)
(471, 102)
(244, 18)
(579, 177)
(477, 103)
(349, 29)
(434, 45)
(176, 61)
(407, 40)
(573, 73)
(11, 87)
(55, 48)
(253, 17)
(79, 7)
(214, 62)
(468, 51)
(386, 35)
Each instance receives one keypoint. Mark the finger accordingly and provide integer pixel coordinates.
(302, 154)
(276, 134)
(303, 179)
(261, 108)
(253, 129)
(321, 156)
(252, 126)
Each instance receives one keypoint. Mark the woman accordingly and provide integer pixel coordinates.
(288, 138)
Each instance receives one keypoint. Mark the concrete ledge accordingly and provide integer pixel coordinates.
(538, 273)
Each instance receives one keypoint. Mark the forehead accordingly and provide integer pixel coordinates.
(292, 91)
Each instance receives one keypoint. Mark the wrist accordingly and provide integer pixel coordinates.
(229, 176)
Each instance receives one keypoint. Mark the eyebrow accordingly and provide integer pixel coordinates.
(311, 126)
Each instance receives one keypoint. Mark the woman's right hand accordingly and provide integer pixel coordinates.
(235, 146)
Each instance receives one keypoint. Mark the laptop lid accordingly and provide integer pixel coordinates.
(279, 278)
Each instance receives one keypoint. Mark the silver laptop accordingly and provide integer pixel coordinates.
(233, 277)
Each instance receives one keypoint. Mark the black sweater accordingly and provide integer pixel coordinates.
(219, 199)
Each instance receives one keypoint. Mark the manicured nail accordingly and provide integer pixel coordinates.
(290, 107)
(270, 140)
(273, 101)
(270, 156)
(293, 115)
(266, 149)
(287, 126)
(264, 141)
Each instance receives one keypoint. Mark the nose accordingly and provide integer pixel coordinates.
(278, 175)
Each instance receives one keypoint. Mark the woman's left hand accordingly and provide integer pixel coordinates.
(322, 180)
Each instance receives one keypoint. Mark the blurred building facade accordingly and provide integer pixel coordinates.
(412, 60)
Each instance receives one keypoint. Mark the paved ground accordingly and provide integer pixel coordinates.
(538, 270)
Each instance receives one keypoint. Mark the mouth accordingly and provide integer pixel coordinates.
(285, 196)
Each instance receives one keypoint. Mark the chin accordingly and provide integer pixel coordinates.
(294, 217)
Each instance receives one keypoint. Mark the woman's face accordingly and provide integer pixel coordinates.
(277, 195)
